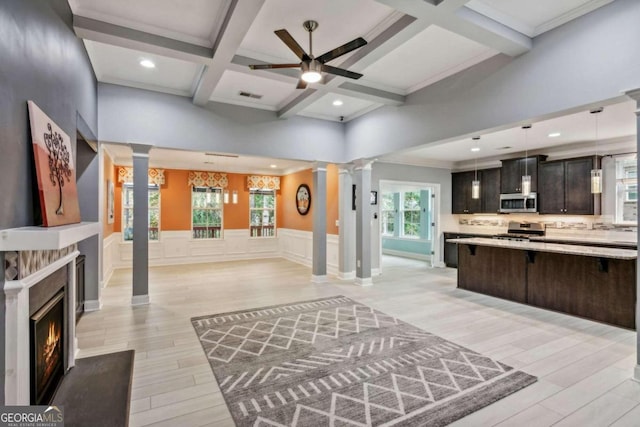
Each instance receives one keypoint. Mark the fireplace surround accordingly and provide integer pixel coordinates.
(31, 255)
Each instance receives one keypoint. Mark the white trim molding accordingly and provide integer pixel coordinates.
(17, 373)
(363, 281)
(140, 300)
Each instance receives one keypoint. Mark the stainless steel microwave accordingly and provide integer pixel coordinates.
(518, 203)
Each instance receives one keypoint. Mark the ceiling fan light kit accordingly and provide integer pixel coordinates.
(310, 66)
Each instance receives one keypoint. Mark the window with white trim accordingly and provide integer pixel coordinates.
(206, 213)
(262, 213)
(410, 204)
(626, 189)
(388, 214)
(127, 212)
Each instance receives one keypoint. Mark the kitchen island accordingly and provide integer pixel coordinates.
(598, 283)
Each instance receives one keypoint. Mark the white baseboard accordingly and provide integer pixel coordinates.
(319, 279)
(375, 271)
(140, 299)
(347, 275)
(439, 264)
(366, 281)
(412, 255)
(92, 305)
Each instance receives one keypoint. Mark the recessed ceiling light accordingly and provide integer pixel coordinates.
(554, 134)
(475, 149)
(147, 63)
(337, 103)
(274, 166)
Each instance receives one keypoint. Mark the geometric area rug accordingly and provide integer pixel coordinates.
(334, 361)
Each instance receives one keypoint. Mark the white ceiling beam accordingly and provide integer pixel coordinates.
(449, 15)
(394, 35)
(239, 17)
(104, 32)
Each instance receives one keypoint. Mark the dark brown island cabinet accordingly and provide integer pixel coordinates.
(489, 201)
(597, 288)
(512, 171)
(564, 187)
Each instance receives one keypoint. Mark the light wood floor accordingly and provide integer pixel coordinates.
(584, 368)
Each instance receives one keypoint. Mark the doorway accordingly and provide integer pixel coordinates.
(409, 219)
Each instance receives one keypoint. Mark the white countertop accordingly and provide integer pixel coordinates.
(560, 248)
(580, 239)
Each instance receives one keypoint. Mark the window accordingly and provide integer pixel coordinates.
(127, 212)
(626, 189)
(388, 213)
(206, 213)
(262, 213)
(411, 214)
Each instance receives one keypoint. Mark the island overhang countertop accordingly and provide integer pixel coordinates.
(592, 251)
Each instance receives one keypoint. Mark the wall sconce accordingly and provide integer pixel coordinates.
(226, 197)
(234, 197)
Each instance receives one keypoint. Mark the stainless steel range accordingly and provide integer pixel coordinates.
(521, 231)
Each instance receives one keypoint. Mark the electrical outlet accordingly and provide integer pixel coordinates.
(358, 263)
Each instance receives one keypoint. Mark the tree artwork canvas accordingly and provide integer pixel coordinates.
(54, 169)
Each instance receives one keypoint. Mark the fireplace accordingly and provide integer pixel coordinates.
(47, 343)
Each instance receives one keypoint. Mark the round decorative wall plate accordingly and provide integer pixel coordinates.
(303, 199)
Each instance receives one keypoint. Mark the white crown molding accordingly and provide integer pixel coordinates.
(135, 25)
(146, 86)
(407, 159)
(569, 16)
(468, 63)
(242, 103)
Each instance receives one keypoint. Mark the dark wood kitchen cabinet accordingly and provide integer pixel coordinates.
(489, 201)
(461, 201)
(490, 190)
(564, 187)
(513, 170)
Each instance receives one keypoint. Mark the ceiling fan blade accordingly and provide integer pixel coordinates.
(292, 44)
(301, 84)
(342, 50)
(340, 72)
(270, 66)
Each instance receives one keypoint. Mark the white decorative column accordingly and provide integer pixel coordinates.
(635, 95)
(362, 178)
(319, 210)
(140, 224)
(347, 228)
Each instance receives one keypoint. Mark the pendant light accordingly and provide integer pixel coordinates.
(596, 173)
(526, 178)
(475, 184)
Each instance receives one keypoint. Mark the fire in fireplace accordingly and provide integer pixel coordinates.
(47, 339)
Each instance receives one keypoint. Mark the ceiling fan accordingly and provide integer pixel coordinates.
(310, 65)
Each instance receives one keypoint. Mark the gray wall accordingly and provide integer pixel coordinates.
(41, 60)
(88, 178)
(588, 60)
(394, 172)
(170, 121)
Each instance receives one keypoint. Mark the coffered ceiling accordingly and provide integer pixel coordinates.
(201, 48)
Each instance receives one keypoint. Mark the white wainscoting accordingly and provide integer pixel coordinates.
(177, 247)
(109, 254)
(297, 246)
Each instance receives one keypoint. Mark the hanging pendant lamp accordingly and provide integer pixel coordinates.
(475, 184)
(526, 178)
(596, 173)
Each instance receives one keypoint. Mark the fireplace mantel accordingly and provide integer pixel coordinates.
(59, 246)
(46, 238)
